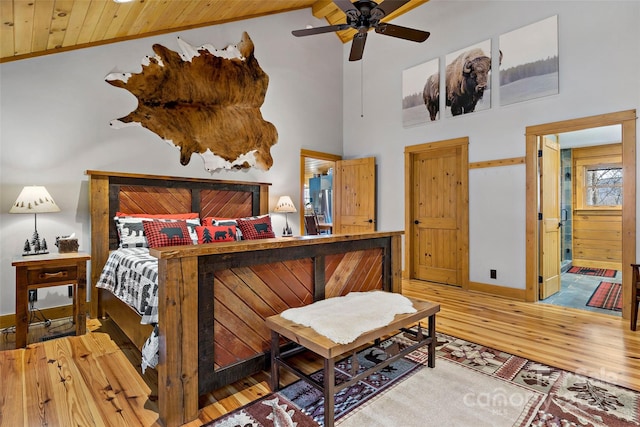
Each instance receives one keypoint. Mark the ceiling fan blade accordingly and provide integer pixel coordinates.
(320, 30)
(345, 5)
(402, 32)
(357, 46)
(390, 6)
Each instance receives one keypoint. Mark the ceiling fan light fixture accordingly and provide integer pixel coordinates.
(365, 15)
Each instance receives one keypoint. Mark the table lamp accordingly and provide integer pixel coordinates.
(285, 205)
(34, 199)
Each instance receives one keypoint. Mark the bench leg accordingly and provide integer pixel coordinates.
(274, 381)
(432, 345)
(329, 391)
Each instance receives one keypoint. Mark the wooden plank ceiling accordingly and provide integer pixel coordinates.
(40, 27)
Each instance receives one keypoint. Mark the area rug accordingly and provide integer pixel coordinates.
(470, 385)
(608, 296)
(271, 410)
(603, 272)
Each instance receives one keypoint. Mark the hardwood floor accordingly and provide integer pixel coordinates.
(592, 344)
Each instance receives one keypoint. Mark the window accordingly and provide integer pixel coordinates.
(603, 186)
(598, 180)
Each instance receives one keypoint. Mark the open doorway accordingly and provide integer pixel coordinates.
(317, 185)
(535, 271)
(581, 188)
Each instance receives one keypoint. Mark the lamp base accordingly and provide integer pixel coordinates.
(35, 253)
(286, 231)
(36, 246)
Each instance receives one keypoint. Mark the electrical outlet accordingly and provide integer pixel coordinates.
(33, 295)
(493, 274)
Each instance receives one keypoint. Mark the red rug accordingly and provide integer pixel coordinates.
(608, 296)
(603, 272)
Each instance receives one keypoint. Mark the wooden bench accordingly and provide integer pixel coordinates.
(308, 338)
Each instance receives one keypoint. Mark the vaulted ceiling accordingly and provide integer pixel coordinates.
(40, 27)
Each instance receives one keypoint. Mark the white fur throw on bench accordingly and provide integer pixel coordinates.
(343, 319)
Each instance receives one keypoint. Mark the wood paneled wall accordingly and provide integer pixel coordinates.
(597, 233)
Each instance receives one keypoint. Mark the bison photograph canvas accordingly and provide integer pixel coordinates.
(420, 93)
(530, 67)
(468, 79)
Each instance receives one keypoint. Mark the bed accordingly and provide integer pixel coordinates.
(213, 298)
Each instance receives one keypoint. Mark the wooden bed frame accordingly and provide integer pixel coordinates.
(214, 298)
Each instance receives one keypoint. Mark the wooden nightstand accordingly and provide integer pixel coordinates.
(42, 271)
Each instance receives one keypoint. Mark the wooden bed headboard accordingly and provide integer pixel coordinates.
(112, 192)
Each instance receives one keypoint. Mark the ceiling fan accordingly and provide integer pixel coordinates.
(362, 15)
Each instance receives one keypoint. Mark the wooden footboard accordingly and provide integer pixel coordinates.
(214, 300)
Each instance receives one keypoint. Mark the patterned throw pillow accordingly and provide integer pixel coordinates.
(256, 227)
(166, 233)
(131, 233)
(219, 221)
(215, 234)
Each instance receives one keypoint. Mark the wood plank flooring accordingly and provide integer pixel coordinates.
(592, 344)
(72, 381)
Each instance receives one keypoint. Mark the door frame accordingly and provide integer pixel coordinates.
(627, 120)
(463, 244)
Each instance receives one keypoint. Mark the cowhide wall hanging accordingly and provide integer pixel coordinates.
(204, 101)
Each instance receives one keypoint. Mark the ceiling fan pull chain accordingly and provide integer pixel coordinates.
(362, 89)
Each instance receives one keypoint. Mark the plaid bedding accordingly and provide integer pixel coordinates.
(131, 274)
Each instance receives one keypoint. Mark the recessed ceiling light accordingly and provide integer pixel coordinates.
(123, 1)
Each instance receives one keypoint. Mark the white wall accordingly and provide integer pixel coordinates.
(56, 109)
(599, 50)
(55, 112)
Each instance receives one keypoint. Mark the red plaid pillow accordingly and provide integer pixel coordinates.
(162, 233)
(257, 227)
(215, 234)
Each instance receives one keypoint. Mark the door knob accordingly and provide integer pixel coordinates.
(416, 222)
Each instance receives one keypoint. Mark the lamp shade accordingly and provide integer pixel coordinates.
(34, 199)
(285, 205)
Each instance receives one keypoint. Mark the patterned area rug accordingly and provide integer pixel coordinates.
(469, 382)
(604, 272)
(608, 296)
(271, 410)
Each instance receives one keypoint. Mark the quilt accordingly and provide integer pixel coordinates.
(131, 274)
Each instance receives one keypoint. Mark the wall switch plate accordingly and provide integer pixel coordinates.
(33, 295)
(493, 274)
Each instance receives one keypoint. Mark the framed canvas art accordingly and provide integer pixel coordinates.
(467, 79)
(530, 65)
(420, 89)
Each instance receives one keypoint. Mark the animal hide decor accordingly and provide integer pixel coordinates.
(204, 101)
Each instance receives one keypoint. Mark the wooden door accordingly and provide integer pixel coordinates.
(355, 196)
(550, 223)
(438, 208)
